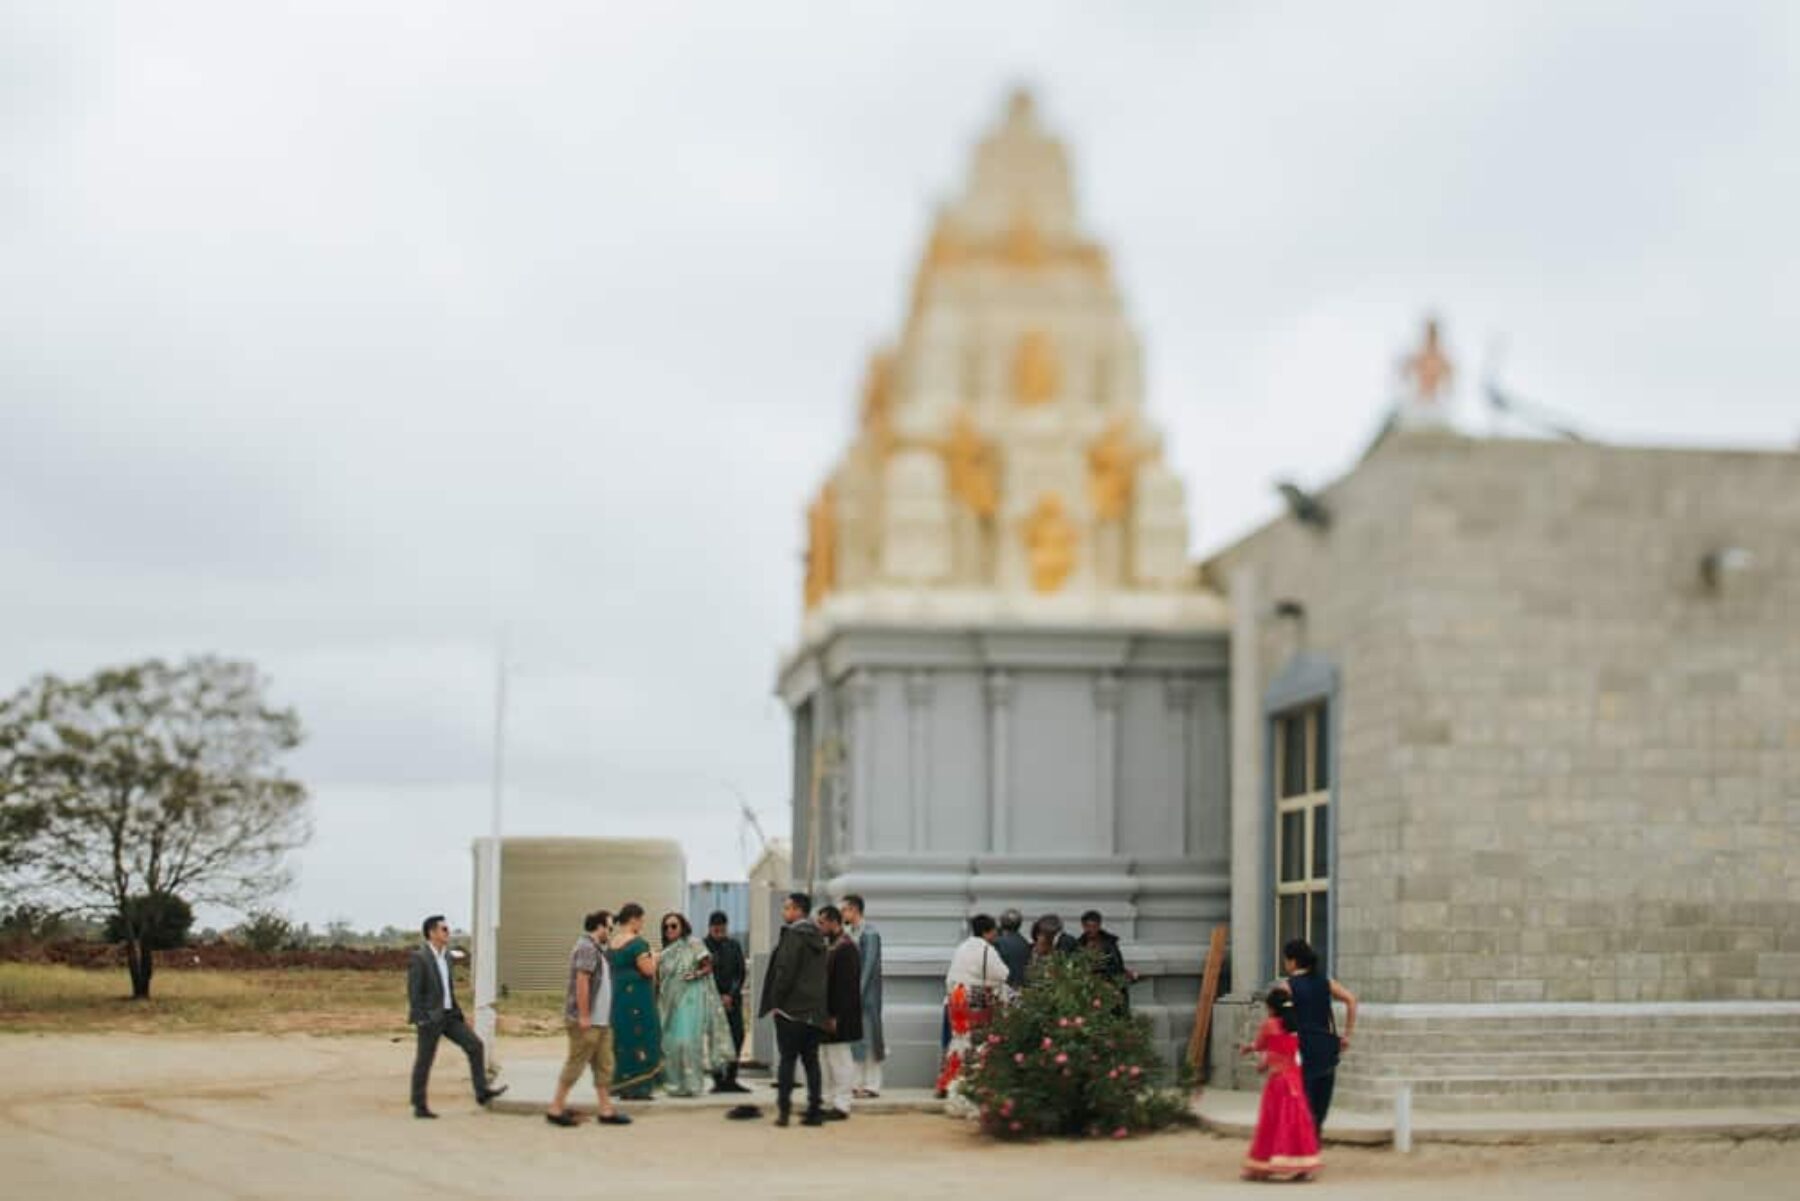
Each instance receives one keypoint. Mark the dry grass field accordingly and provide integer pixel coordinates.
(39, 998)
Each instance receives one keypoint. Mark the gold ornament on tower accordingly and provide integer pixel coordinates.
(1112, 471)
(973, 467)
(1037, 377)
(878, 403)
(1024, 245)
(821, 550)
(1050, 539)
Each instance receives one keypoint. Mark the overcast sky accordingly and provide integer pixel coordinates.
(338, 337)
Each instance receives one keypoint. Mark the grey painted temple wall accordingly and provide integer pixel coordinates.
(1049, 770)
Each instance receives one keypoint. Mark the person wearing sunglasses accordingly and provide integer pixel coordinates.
(696, 1038)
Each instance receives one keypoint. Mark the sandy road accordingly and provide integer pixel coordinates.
(239, 1116)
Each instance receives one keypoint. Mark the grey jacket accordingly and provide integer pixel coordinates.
(425, 988)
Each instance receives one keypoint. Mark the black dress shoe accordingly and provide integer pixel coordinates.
(490, 1094)
(781, 1119)
(565, 1118)
(419, 1111)
(836, 1115)
(813, 1118)
(613, 1119)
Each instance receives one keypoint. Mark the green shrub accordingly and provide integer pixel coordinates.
(1066, 1059)
(265, 930)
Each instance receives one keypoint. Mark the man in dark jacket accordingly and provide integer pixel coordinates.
(794, 992)
(729, 974)
(433, 1011)
(1110, 962)
(843, 1013)
(1014, 951)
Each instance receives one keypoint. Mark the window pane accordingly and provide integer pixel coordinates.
(1292, 836)
(1321, 749)
(1291, 731)
(1290, 921)
(1320, 929)
(1321, 844)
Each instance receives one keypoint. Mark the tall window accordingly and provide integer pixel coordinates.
(1303, 830)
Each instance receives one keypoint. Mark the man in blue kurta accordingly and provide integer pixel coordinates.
(872, 1049)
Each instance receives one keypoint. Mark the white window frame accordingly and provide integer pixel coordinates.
(1316, 796)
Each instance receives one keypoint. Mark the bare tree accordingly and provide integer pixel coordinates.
(145, 783)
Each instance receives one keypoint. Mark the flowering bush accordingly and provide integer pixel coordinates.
(1065, 1059)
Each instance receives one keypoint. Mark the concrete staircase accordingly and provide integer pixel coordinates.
(1573, 1058)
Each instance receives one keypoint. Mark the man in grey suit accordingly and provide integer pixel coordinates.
(433, 1011)
(873, 1048)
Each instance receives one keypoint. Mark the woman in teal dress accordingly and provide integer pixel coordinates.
(696, 1038)
(637, 1029)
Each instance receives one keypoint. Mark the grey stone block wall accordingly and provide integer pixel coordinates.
(1569, 766)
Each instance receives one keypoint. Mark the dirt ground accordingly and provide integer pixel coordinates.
(198, 1117)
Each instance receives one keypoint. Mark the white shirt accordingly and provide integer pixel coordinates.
(601, 1013)
(975, 964)
(443, 962)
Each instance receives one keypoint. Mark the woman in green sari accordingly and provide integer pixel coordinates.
(696, 1037)
(637, 1031)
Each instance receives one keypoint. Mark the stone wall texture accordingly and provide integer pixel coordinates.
(1569, 763)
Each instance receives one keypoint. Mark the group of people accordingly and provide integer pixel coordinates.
(994, 963)
(823, 990)
(639, 1017)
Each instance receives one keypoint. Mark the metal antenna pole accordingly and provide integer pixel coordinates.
(487, 952)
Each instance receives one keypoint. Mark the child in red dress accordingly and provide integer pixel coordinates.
(1285, 1146)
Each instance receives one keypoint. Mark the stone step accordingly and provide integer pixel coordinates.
(1388, 1041)
(1652, 1090)
(1786, 1023)
(1529, 1062)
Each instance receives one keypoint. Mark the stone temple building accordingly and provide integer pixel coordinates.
(1008, 691)
(1508, 728)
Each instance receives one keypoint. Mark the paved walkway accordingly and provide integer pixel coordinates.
(532, 1082)
(1234, 1113)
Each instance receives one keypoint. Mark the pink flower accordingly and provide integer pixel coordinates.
(1096, 1002)
(1062, 1057)
(1006, 1108)
(993, 1038)
(1113, 1075)
(1136, 1071)
(1047, 1043)
(1062, 1022)
(1015, 1127)
(1121, 1132)
(1080, 1021)
(1018, 1057)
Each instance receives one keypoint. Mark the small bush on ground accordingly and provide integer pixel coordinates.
(1066, 1059)
(265, 930)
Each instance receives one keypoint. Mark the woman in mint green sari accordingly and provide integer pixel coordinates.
(696, 1038)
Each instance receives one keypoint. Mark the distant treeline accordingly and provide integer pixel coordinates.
(216, 956)
(266, 938)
